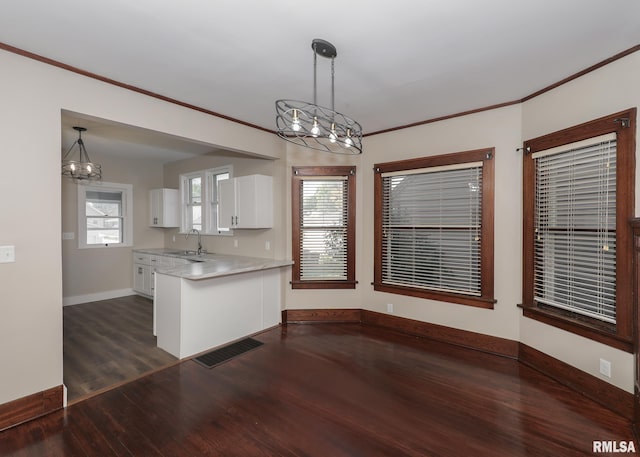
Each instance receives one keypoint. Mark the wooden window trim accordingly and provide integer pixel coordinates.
(619, 335)
(486, 299)
(298, 175)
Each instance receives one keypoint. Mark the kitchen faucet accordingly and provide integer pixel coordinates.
(199, 251)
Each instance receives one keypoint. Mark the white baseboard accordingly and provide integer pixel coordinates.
(77, 299)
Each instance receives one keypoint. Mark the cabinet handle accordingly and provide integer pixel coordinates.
(231, 221)
(236, 220)
(139, 270)
(155, 220)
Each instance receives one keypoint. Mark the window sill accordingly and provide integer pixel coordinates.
(323, 284)
(105, 245)
(589, 328)
(460, 299)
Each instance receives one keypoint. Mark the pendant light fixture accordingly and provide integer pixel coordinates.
(314, 126)
(82, 168)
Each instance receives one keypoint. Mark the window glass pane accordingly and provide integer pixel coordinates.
(214, 200)
(575, 230)
(104, 230)
(195, 190)
(323, 230)
(103, 203)
(195, 217)
(432, 230)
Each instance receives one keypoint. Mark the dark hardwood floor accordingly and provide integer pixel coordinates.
(108, 342)
(330, 390)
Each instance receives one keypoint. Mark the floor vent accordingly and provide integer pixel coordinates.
(213, 358)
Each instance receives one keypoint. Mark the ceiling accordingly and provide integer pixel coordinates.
(399, 62)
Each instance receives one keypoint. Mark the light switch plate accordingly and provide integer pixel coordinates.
(68, 235)
(7, 254)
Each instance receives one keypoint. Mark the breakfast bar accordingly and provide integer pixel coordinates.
(214, 300)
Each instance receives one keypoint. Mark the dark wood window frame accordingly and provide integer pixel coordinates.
(486, 299)
(620, 334)
(298, 175)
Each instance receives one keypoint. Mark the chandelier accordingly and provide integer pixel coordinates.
(316, 127)
(82, 168)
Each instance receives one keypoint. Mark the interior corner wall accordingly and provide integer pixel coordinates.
(96, 271)
(33, 95)
(325, 298)
(499, 129)
(605, 91)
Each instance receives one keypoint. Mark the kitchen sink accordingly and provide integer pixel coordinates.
(190, 255)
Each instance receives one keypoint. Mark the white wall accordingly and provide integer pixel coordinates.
(600, 93)
(501, 130)
(93, 273)
(33, 95)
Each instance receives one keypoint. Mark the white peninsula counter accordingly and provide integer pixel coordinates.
(215, 300)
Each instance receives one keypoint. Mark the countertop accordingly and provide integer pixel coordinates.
(207, 266)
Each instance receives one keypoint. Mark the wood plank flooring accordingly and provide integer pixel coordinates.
(109, 342)
(330, 390)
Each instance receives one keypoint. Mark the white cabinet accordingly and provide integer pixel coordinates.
(164, 209)
(142, 274)
(246, 202)
(144, 268)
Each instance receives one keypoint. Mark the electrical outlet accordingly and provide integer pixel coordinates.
(390, 308)
(605, 368)
(235, 243)
(267, 245)
(68, 235)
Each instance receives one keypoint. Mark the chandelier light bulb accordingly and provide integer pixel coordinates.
(88, 168)
(73, 167)
(295, 121)
(315, 129)
(348, 142)
(332, 135)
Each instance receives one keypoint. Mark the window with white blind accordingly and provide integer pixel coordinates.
(575, 226)
(323, 205)
(578, 200)
(105, 215)
(434, 237)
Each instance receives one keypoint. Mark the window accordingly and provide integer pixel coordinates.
(214, 177)
(434, 228)
(578, 196)
(193, 202)
(105, 215)
(199, 208)
(323, 206)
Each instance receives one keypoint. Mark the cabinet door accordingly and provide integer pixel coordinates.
(164, 210)
(246, 204)
(226, 203)
(142, 278)
(254, 202)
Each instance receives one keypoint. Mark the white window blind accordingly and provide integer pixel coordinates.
(575, 228)
(323, 228)
(432, 225)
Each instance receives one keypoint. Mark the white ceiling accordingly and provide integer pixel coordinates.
(399, 62)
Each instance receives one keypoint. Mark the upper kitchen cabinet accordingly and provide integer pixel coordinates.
(164, 208)
(246, 202)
